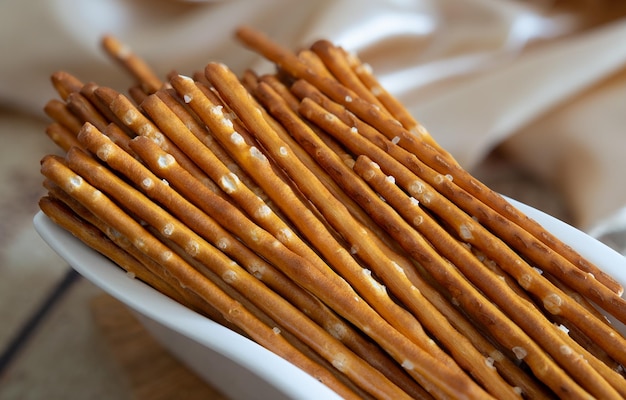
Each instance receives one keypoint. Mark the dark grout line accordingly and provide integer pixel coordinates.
(27, 330)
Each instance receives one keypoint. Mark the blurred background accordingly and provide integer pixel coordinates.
(530, 96)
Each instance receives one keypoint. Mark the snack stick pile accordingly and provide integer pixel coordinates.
(308, 211)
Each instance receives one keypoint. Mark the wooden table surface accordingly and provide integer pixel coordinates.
(152, 372)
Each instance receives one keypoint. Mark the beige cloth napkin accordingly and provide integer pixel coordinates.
(477, 73)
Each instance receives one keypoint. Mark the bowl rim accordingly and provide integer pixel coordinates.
(165, 311)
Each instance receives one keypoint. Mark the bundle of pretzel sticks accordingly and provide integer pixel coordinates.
(309, 211)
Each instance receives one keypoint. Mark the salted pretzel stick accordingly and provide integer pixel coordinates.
(537, 250)
(221, 281)
(445, 164)
(133, 119)
(312, 166)
(359, 313)
(65, 217)
(71, 215)
(507, 333)
(59, 112)
(116, 134)
(333, 58)
(305, 168)
(460, 347)
(65, 83)
(418, 142)
(246, 198)
(364, 72)
(228, 180)
(274, 279)
(135, 65)
(294, 103)
(61, 136)
(249, 79)
(80, 106)
(147, 149)
(430, 317)
(335, 211)
(268, 301)
(177, 110)
(363, 244)
(313, 61)
(548, 336)
(473, 233)
(217, 127)
(137, 94)
(343, 332)
(386, 154)
(221, 129)
(89, 91)
(183, 273)
(316, 114)
(264, 172)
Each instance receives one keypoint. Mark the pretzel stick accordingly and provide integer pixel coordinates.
(312, 166)
(147, 149)
(274, 279)
(177, 231)
(137, 94)
(461, 348)
(294, 103)
(263, 171)
(466, 227)
(410, 124)
(497, 289)
(364, 72)
(59, 112)
(361, 146)
(177, 111)
(313, 61)
(359, 313)
(139, 124)
(65, 83)
(76, 159)
(536, 250)
(61, 136)
(75, 218)
(445, 164)
(135, 65)
(418, 142)
(332, 58)
(500, 327)
(246, 198)
(346, 259)
(363, 244)
(184, 274)
(89, 91)
(67, 218)
(80, 106)
(422, 308)
(220, 173)
(551, 338)
(308, 140)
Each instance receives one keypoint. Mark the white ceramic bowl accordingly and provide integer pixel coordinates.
(240, 368)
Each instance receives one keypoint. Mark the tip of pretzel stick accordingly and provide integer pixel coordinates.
(106, 95)
(114, 47)
(65, 83)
